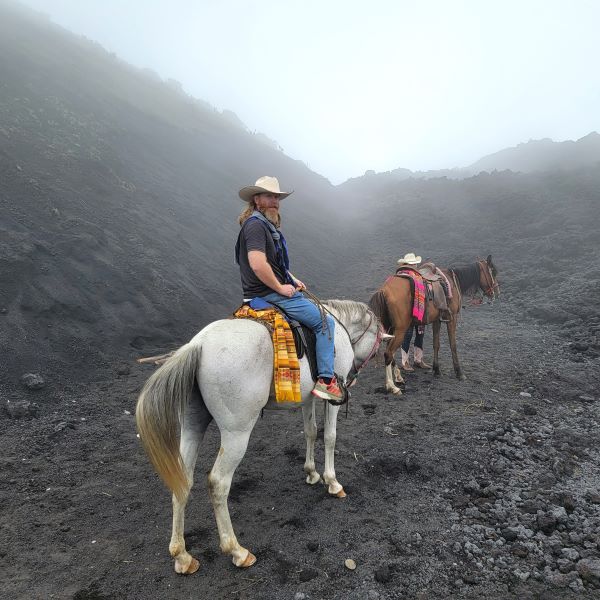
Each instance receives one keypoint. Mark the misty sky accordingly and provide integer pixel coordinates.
(348, 85)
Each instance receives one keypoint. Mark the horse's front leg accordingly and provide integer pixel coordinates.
(195, 421)
(232, 450)
(310, 432)
(436, 347)
(333, 486)
(451, 325)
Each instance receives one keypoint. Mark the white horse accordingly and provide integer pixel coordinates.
(225, 373)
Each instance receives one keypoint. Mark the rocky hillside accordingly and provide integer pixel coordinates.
(542, 229)
(543, 155)
(529, 157)
(119, 205)
(119, 200)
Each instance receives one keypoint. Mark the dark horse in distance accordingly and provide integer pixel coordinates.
(393, 304)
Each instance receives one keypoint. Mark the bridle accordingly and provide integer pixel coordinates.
(354, 372)
(491, 289)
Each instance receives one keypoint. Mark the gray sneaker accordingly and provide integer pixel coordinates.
(328, 391)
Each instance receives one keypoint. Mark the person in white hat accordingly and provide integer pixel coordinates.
(262, 254)
(411, 261)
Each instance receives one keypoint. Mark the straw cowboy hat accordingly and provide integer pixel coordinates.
(409, 259)
(266, 184)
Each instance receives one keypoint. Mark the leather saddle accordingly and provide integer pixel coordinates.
(436, 283)
(429, 272)
(304, 338)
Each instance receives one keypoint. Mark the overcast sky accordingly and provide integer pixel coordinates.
(349, 85)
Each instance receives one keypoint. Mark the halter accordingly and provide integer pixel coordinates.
(354, 372)
(490, 283)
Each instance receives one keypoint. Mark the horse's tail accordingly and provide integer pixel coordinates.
(378, 305)
(158, 415)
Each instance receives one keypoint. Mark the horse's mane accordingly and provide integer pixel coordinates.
(468, 277)
(348, 309)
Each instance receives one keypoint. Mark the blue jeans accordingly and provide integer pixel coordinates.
(304, 311)
(408, 336)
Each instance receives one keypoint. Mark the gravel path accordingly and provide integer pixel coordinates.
(488, 487)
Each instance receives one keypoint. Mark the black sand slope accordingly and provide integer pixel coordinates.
(119, 200)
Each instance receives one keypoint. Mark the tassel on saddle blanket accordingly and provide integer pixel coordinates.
(418, 311)
(286, 367)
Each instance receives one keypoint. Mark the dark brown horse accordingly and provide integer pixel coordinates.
(393, 304)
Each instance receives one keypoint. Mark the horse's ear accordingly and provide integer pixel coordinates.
(489, 259)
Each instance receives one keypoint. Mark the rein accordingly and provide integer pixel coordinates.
(378, 339)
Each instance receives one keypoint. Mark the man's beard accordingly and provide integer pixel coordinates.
(272, 215)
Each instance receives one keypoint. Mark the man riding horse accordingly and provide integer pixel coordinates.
(262, 255)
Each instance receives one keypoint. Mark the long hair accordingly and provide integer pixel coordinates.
(245, 214)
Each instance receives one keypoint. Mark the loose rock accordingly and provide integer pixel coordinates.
(19, 409)
(33, 381)
(589, 570)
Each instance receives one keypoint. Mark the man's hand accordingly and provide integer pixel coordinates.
(287, 290)
(299, 285)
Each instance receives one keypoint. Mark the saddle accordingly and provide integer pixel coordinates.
(286, 368)
(430, 272)
(305, 341)
(438, 286)
(291, 342)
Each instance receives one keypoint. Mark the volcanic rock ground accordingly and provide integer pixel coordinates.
(483, 488)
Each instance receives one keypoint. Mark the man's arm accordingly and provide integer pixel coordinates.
(262, 269)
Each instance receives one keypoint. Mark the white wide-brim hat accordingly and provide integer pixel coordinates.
(409, 259)
(266, 184)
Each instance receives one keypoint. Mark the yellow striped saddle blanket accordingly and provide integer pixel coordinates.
(286, 367)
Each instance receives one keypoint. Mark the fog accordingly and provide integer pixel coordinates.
(348, 86)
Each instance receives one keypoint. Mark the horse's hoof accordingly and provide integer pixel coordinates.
(395, 391)
(249, 561)
(313, 479)
(190, 569)
(194, 566)
(341, 494)
(462, 377)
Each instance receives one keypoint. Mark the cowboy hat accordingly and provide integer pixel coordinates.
(263, 185)
(409, 259)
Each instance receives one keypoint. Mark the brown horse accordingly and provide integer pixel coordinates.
(393, 304)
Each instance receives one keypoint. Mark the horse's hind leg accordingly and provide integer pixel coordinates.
(232, 450)
(195, 421)
(310, 432)
(334, 487)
